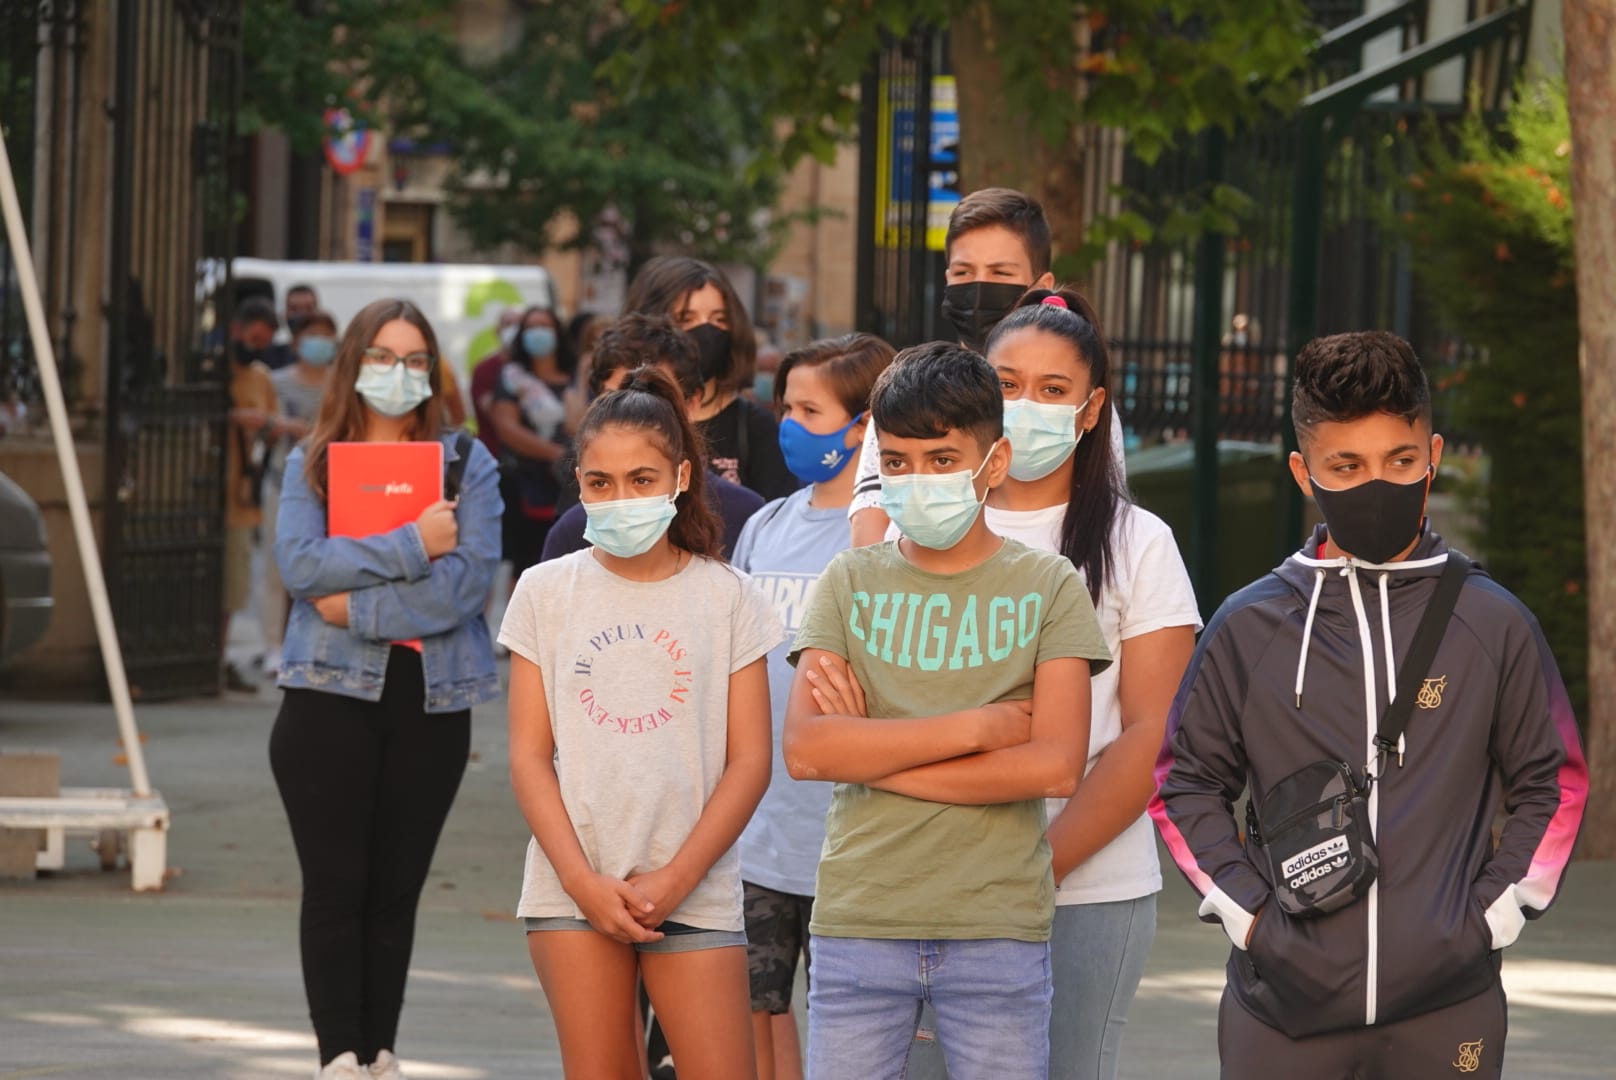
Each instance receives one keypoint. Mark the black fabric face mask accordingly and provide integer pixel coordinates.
(713, 342)
(976, 307)
(1376, 520)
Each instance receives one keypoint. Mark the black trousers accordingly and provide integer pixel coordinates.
(1465, 1039)
(367, 787)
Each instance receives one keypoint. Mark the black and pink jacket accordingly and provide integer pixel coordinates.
(1293, 670)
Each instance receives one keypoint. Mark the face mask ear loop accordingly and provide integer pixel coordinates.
(1307, 635)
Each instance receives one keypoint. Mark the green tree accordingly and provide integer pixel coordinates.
(1032, 77)
(545, 150)
(301, 57)
(1492, 221)
(542, 137)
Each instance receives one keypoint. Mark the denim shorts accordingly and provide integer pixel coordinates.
(676, 937)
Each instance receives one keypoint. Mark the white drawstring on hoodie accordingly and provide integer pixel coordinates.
(1307, 632)
(1385, 633)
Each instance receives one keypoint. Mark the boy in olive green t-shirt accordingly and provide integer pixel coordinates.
(943, 683)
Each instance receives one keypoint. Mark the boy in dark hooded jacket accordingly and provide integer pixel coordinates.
(1298, 668)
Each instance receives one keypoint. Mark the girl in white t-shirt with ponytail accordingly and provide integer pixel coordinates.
(1066, 493)
(640, 745)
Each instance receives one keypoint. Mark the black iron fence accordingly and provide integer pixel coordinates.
(42, 74)
(903, 160)
(174, 157)
(121, 121)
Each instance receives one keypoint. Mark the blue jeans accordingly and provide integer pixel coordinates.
(991, 998)
(1099, 953)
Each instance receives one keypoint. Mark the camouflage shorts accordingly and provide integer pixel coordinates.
(776, 934)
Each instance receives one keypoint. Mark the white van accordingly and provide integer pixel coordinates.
(462, 302)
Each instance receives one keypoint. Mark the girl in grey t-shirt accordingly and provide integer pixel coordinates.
(640, 745)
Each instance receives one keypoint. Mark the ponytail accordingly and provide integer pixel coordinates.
(649, 401)
(1099, 495)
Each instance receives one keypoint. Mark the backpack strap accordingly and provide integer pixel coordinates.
(1433, 625)
(455, 472)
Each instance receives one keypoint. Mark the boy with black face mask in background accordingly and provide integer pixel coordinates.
(1400, 978)
(997, 247)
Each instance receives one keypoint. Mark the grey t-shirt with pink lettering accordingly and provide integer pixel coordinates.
(636, 678)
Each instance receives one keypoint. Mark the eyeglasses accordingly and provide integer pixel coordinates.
(380, 356)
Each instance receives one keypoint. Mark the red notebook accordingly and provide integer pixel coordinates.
(374, 487)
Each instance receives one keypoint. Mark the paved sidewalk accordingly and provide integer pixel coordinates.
(203, 980)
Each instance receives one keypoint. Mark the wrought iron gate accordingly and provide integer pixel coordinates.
(178, 91)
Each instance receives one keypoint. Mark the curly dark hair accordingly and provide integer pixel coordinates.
(1348, 376)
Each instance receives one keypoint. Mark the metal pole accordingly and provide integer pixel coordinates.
(72, 481)
(865, 304)
(1205, 392)
(1307, 214)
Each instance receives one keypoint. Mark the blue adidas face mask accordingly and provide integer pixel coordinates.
(629, 527)
(815, 459)
(1042, 435)
(935, 511)
(395, 391)
(539, 340)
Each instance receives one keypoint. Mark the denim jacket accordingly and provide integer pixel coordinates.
(395, 593)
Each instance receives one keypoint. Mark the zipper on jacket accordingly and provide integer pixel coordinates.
(1372, 965)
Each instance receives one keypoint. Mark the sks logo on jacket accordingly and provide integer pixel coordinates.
(911, 630)
(624, 648)
(1431, 693)
(1469, 1059)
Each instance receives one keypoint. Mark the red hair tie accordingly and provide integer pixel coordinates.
(1055, 301)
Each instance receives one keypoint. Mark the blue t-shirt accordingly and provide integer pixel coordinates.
(785, 548)
(732, 502)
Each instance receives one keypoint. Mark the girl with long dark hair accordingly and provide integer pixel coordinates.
(742, 437)
(640, 745)
(1066, 493)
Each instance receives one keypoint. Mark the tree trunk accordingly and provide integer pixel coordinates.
(1590, 27)
(999, 147)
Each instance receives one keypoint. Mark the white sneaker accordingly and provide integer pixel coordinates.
(343, 1067)
(385, 1067)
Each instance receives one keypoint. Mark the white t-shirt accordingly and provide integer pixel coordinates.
(1149, 590)
(636, 678)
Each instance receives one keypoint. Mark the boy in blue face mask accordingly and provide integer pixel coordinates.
(943, 684)
(1301, 666)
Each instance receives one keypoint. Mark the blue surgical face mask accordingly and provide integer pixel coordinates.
(316, 349)
(629, 527)
(507, 335)
(814, 459)
(935, 511)
(395, 391)
(539, 340)
(1042, 436)
(763, 386)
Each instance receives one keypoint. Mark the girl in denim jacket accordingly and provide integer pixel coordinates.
(385, 654)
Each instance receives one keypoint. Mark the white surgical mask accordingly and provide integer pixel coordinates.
(394, 391)
(1042, 435)
(937, 510)
(629, 527)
